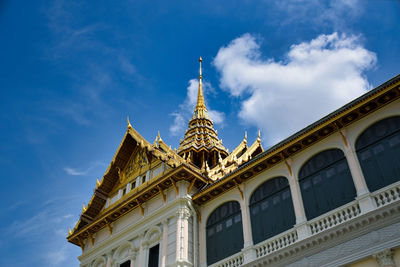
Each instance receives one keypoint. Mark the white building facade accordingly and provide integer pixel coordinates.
(327, 196)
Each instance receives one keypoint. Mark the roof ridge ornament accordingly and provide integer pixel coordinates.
(129, 123)
(159, 137)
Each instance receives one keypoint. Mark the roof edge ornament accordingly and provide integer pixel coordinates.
(129, 123)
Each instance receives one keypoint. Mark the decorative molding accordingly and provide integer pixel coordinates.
(184, 213)
(385, 258)
(151, 236)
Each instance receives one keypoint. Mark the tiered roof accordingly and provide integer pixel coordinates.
(135, 157)
(201, 144)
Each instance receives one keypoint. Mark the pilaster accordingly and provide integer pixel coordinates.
(109, 259)
(248, 251)
(141, 258)
(354, 166)
(182, 232)
(202, 242)
(367, 204)
(164, 243)
(132, 258)
(295, 191)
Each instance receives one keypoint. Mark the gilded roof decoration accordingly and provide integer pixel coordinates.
(202, 160)
(200, 144)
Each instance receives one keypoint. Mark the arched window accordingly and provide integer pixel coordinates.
(271, 209)
(378, 151)
(224, 232)
(326, 183)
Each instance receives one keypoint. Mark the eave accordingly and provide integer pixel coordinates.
(111, 177)
(344, 116)
(131, 202)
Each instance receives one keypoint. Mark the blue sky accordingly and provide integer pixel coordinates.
(72, 71)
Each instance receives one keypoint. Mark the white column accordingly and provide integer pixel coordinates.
(109, 259)
(133, 258)
(297, 199)
(148, 175)
(356, 172)
(303, 230)
(164, 250)
(202, 242)
(365, 200)
(141, 251)
(247, 236)
(248, 251)
(182, 234)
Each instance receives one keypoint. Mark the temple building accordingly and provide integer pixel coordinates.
(329, 195)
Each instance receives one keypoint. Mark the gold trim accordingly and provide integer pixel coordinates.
(190, 186)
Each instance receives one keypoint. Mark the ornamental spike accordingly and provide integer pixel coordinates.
(129, 123)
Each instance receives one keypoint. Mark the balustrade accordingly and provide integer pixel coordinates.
(335, 217)
(326, 221)
(275, 243)
(387, 195)
(233, 261)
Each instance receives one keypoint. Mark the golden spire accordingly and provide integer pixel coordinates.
(200, 111)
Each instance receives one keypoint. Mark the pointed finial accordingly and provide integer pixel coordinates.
(200, 110)
(129, 123)
(155, 141)
(200, 60)
(97, 182)
(83, 208)
(69, 231)
(259, 135)
(159, 137)
(245, 135)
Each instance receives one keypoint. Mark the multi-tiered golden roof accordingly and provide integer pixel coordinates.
(201, 145)
(141, 170)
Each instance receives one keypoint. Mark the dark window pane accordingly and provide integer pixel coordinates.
(378, 151)
(327, 184)
(153, 256)
(224, 232)
(271, 209)
(125, 264)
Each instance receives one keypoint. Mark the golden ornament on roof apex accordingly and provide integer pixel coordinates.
(129, 123)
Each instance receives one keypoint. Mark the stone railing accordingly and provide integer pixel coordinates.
(335, 217)
(275, 243)
(387, 195)
(233, 261)
(324, 222)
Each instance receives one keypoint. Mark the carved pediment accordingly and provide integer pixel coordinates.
(137, 164)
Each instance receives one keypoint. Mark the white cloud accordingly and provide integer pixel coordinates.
(315, 78)
(336, 13)
(178, 125)
(77, 172)
(183, 115)
(57, 256)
